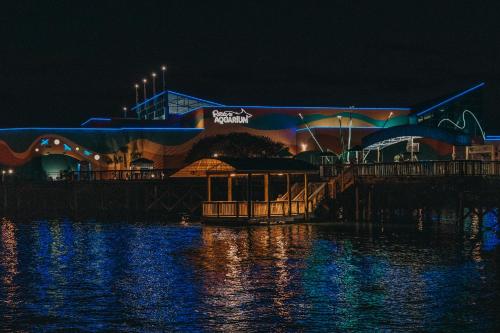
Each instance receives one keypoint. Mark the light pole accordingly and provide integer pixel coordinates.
(136, 86)
(387, 119)
(339, 117)
(154, 83)
(124, 112)
(145, 81)
(349, 136)
(163, 71)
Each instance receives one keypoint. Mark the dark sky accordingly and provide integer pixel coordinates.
(64, 61)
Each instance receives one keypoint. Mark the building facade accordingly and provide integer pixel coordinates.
(167, 125)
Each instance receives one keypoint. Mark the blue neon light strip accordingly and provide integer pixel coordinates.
(149, 99)
(103, 129)
(177, 94)
(492, 138)
(343, 127)
(195, 98)
(95, 119)
(317, 107)
(451, 99)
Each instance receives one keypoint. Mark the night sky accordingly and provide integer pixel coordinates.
(64, 61)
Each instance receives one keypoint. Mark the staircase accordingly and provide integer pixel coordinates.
(316, 193)
(342, 182)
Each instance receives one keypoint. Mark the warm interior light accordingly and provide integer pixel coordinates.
(11, 171)
(57, 142)
(154, 74)
(37, 150)
(233, 175)
(97, 157)
(77, 148)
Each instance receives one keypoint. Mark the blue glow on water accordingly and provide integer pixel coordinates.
(93, 276)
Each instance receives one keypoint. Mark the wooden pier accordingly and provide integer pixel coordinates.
(368, 191)
(224, 193)
(115, 199)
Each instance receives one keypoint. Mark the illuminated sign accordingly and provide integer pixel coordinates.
(231, 117)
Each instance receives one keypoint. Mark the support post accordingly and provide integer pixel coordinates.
(306, 197)
(460, 209)
(370, 195)
(266, 194)
(209, 188)
(288, 190)
(249, 195)
(356, 199)
(229, 188)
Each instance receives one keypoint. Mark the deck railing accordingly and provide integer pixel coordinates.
(109, 175)
(259, 208)
(427, 169)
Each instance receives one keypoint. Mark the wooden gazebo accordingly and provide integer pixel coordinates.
(296, 202)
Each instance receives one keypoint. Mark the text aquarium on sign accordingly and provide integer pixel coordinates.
(231, 117)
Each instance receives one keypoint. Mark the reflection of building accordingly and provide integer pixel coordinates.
(8, 261)
(251, 262)
(169, 123)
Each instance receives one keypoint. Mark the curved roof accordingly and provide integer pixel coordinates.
(206, 166)
(141, 160)
(396, 134)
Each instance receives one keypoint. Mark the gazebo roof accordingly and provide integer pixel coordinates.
(223, 165)
(142, 160)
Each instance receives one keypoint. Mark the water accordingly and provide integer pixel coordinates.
(91, 276)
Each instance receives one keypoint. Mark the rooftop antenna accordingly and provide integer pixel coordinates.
(310, 132)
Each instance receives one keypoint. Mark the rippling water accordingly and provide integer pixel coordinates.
(91, 276)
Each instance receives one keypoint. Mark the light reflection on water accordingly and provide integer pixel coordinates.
(310, 277)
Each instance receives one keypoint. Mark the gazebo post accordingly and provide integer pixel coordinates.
(249, 195)
(229, 188)
(209, 188)
(288, 191)
(266, 194)
(306, 197)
